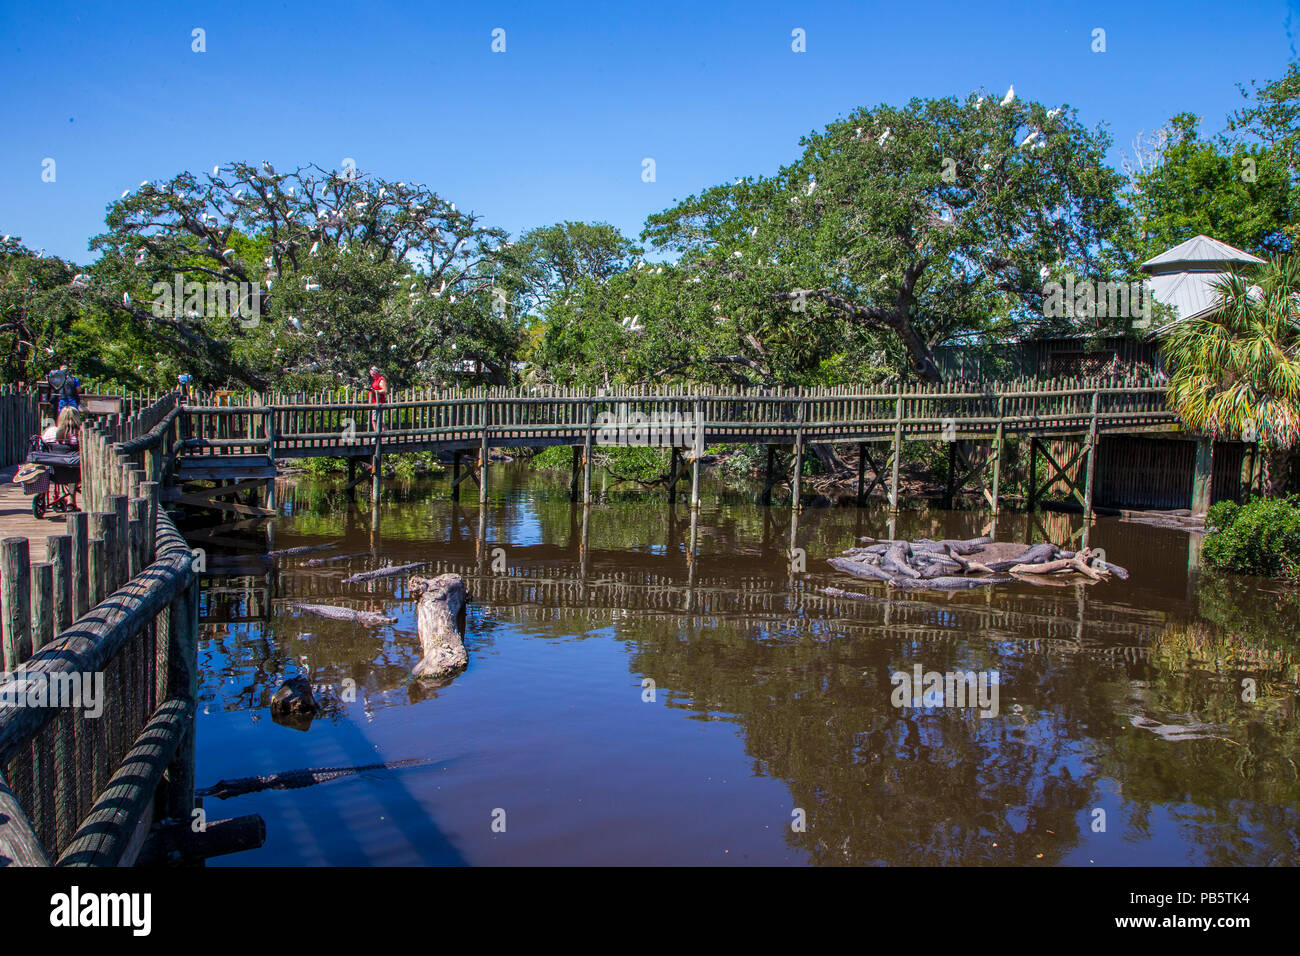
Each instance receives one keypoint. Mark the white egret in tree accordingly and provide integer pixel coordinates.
(1010, 97)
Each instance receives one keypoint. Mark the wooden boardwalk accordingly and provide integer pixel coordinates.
(16, 517)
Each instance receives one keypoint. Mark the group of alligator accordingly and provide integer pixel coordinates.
(955, 565)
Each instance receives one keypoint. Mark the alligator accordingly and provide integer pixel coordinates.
(293, 779)
(345, 614)
(383, 572)
(303, 549)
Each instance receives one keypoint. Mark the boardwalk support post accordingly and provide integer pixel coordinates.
(862, 471)
(897, 455)
(1202, 475)
(797, 486)
(1091, 464)
(483, 455)
(697, 454)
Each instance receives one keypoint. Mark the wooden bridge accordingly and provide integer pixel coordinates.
(236, 445)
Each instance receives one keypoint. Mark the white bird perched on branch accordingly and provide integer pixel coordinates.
(227, 252)
(1034, 134)
(314, 247)
(140, 255)
(1044, 272)
(1010, 97)
(268, 168)
(125, 193)
(885, 137)
(1053, 114)
(979, 102)
(126, 299)
(216, 170)
(812, 185)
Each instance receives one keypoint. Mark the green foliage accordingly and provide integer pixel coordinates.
(1236, 369)
(1261, 537)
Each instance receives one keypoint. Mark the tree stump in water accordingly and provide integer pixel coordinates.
(440, 608)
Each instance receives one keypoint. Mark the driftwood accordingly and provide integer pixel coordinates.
(440, 605)
(952, 565)
(283, 552)
(384, 572)
(368, 618)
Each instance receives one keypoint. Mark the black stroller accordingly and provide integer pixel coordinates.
(51, 475)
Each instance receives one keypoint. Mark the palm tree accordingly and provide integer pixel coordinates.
(1236, 368)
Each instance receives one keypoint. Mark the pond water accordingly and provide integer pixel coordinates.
(631, 700)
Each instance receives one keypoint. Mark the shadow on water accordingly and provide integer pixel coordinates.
(647, 689)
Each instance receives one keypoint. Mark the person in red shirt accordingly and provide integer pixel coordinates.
(378, 390)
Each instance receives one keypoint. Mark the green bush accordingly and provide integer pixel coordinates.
(1260, 537)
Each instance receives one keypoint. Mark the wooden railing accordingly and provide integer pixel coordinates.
(345, 424)
(113, 614)
(20, 418)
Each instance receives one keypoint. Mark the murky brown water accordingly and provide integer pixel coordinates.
(768, 697)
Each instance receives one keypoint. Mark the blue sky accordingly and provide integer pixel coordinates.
(557, 126)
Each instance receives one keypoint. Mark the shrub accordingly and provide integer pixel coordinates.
(1260, 537)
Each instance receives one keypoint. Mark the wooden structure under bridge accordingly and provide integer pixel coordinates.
(233, 448)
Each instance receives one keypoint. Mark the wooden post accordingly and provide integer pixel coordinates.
(897, 454)
(455, 475)
(770, 476)
(483, 455)
(573, 476)
(1203, 475)
(15, 602)
(1091, 465)
(999, 445)
(122, 533)
(377, 459)
(1033, 472)
(42, 584)
(698, 454)
(182, 682)
(586, 454)
(862, 470)
(269, 419)
(58, 551)
(102, 526)
(149, 491)
(952, 475)
(78, 531)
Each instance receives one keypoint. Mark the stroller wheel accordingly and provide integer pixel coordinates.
(38, 506)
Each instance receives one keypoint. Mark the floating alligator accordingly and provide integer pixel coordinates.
(302, 550)
(1193, 730)
(345, 613)
(293, 779)
(317, 562)
(384, 572)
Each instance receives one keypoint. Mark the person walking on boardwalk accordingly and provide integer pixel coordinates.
(68, 388)
(378, 391)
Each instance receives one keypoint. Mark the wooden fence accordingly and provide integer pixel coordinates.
(109, 622)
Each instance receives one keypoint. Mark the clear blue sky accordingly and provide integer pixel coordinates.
(557, 126)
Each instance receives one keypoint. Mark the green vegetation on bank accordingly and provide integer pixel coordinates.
(1260, 537)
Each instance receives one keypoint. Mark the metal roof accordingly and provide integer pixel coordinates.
(1201, 254)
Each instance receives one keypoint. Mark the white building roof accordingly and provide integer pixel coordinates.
(1201, 254)
(1184, 277)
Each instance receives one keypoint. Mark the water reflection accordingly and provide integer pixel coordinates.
(780, 678)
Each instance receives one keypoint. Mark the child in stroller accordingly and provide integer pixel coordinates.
(52, 472)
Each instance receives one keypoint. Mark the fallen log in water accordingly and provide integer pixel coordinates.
(440, 604)
(368, 618)
(384, 572)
